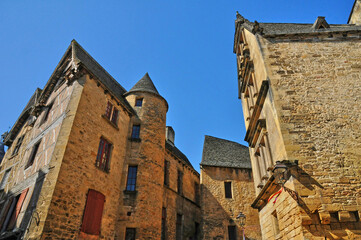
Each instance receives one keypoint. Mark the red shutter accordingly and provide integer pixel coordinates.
(93, 212)
(19, 204)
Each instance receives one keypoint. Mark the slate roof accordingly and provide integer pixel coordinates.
(173, 149)
(274, 29)
(22, 118)
(223, 153)
(145, 84)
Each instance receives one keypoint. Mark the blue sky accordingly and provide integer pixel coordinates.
(186, 46)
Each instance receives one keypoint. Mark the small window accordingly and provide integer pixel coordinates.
(276, 228)
(164, 223)
(179, 227)
(130, 234)
(132, 178)
(5, 179)
(228, 189)
(232, 232)
(111, 113)
(136, 132)
(47, 112)
(103, 157)
(93, 212)
(166, 172)
(33, 155)
(180, 182)
(18, 144)
(139, 102)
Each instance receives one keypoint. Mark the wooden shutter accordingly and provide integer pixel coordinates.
(93, 212)
(17, 210)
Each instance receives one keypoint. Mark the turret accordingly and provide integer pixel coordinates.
(148, 152)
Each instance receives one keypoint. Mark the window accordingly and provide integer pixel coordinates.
(12, 211)
(179, 226)
(228, 189)
(136, 132)
(47, 112)
(111, 113)
(33, 155)
(196, 192)
(276, 228)
(130, 234)
(166, 172)
(132, 178)
(196, 231)
(232, 232)
(164, 222)
(5, 179)
(103, 156)
(180, 182)
(18, 144)
(93, 212)
(139, 102)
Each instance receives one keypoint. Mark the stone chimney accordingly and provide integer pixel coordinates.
(355, 15)
(169, 135)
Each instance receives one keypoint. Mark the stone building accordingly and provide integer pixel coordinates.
(227, 189)
(300, 90)
(87, 159)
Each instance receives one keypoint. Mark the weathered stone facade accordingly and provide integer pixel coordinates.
(300, 86)
(68, 123)
(225, 162)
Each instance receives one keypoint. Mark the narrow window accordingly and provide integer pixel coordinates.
(130, 234)
(180, 182)
(196, 231)
(232, 234)
(196, 192)
(164, 223)
(93, 212)
(16, 211)
(18, 144)
(47, 112)
(132, 178)
(103, 156)
(5, 179)
(179, 226)
(139, 102)
(135, 131)
(228, 189)
(111, 113)
(33, 155)
(276, 228)
(166, 172)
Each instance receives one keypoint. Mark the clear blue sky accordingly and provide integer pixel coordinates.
(186, 46)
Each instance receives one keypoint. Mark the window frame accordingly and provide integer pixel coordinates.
(132, 176)
(180, 182)
(138, 102)
(18, 144)
(132, 231)
(47, 112)
(34, 152)
(100, 155)
(111, 113)
(228, 189)
(135, 132)
(232, 232)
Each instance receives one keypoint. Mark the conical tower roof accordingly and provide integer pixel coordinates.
(145, 84)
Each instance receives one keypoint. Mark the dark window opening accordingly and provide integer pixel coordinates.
(130, 234)
(132, 178)
(136, 132)
(33, 155)
(196, 231)
(232, 232)
(164, 223)
(139, 102)
(276, 227)
(103, 156)
(111, 113)
(93, 212)
(179, 226)
(18, 144)
(47, 112)
(228, 189)
(180, 182)
(166, 172)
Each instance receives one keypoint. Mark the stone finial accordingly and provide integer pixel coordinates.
(320, 23)
(256, 28)
(239, 18)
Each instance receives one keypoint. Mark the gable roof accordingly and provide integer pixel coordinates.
(223, 153)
